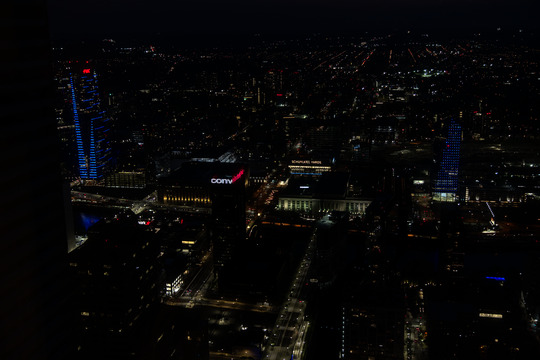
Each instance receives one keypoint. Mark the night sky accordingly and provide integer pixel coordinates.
(113, 18)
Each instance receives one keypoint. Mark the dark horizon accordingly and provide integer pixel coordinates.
(136, 20)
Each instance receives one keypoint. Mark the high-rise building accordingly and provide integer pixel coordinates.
(91, 122)
(220, 186)
(228, 196)
(445, 181)
(329, 237)
(34, 303)
(118, 285)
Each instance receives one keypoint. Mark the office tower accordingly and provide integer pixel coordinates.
(329, 257)
(92, 129)
(326, 142)
(118, 286)
(445, 181)
(33, 248)
(228, 197)
(66, 133)
(220, 186)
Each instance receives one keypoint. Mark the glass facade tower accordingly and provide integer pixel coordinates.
(445, 182)
(91, 125)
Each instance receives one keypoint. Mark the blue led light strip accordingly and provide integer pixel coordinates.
(83, 170)
(93, 165)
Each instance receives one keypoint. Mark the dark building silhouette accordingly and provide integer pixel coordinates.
(326, 142)
(228, 213)
(178, 334)
(479, 318)
(119, 283)
(329, 254)
(220, 186)
(34, 311)
(372, 325)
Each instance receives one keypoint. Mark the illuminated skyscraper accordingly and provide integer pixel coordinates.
(91, 124)
(445, 181)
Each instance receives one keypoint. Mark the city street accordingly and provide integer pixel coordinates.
(288, 335)
(415, 330)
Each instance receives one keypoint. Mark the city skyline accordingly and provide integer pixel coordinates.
(382, 185)
(297, 180)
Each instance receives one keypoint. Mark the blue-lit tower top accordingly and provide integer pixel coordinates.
(91, 124)
(445, 183)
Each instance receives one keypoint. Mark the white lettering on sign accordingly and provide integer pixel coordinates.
(308, 162)
(228, 181)
(221, 181)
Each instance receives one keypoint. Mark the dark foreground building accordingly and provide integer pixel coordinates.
(118, 285)
(34, 308)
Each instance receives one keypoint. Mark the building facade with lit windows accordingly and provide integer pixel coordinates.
(94, 155)
(325, 193)
(310, 205)
(445, 180)
(126, 180)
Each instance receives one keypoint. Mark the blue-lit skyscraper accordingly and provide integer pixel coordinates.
(91, 124)
(445, 181)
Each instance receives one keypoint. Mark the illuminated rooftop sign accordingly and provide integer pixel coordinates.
(307, 162)
(489, 315)
(86, 71)
(228, 181)
(495, 278)
(308, 167)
